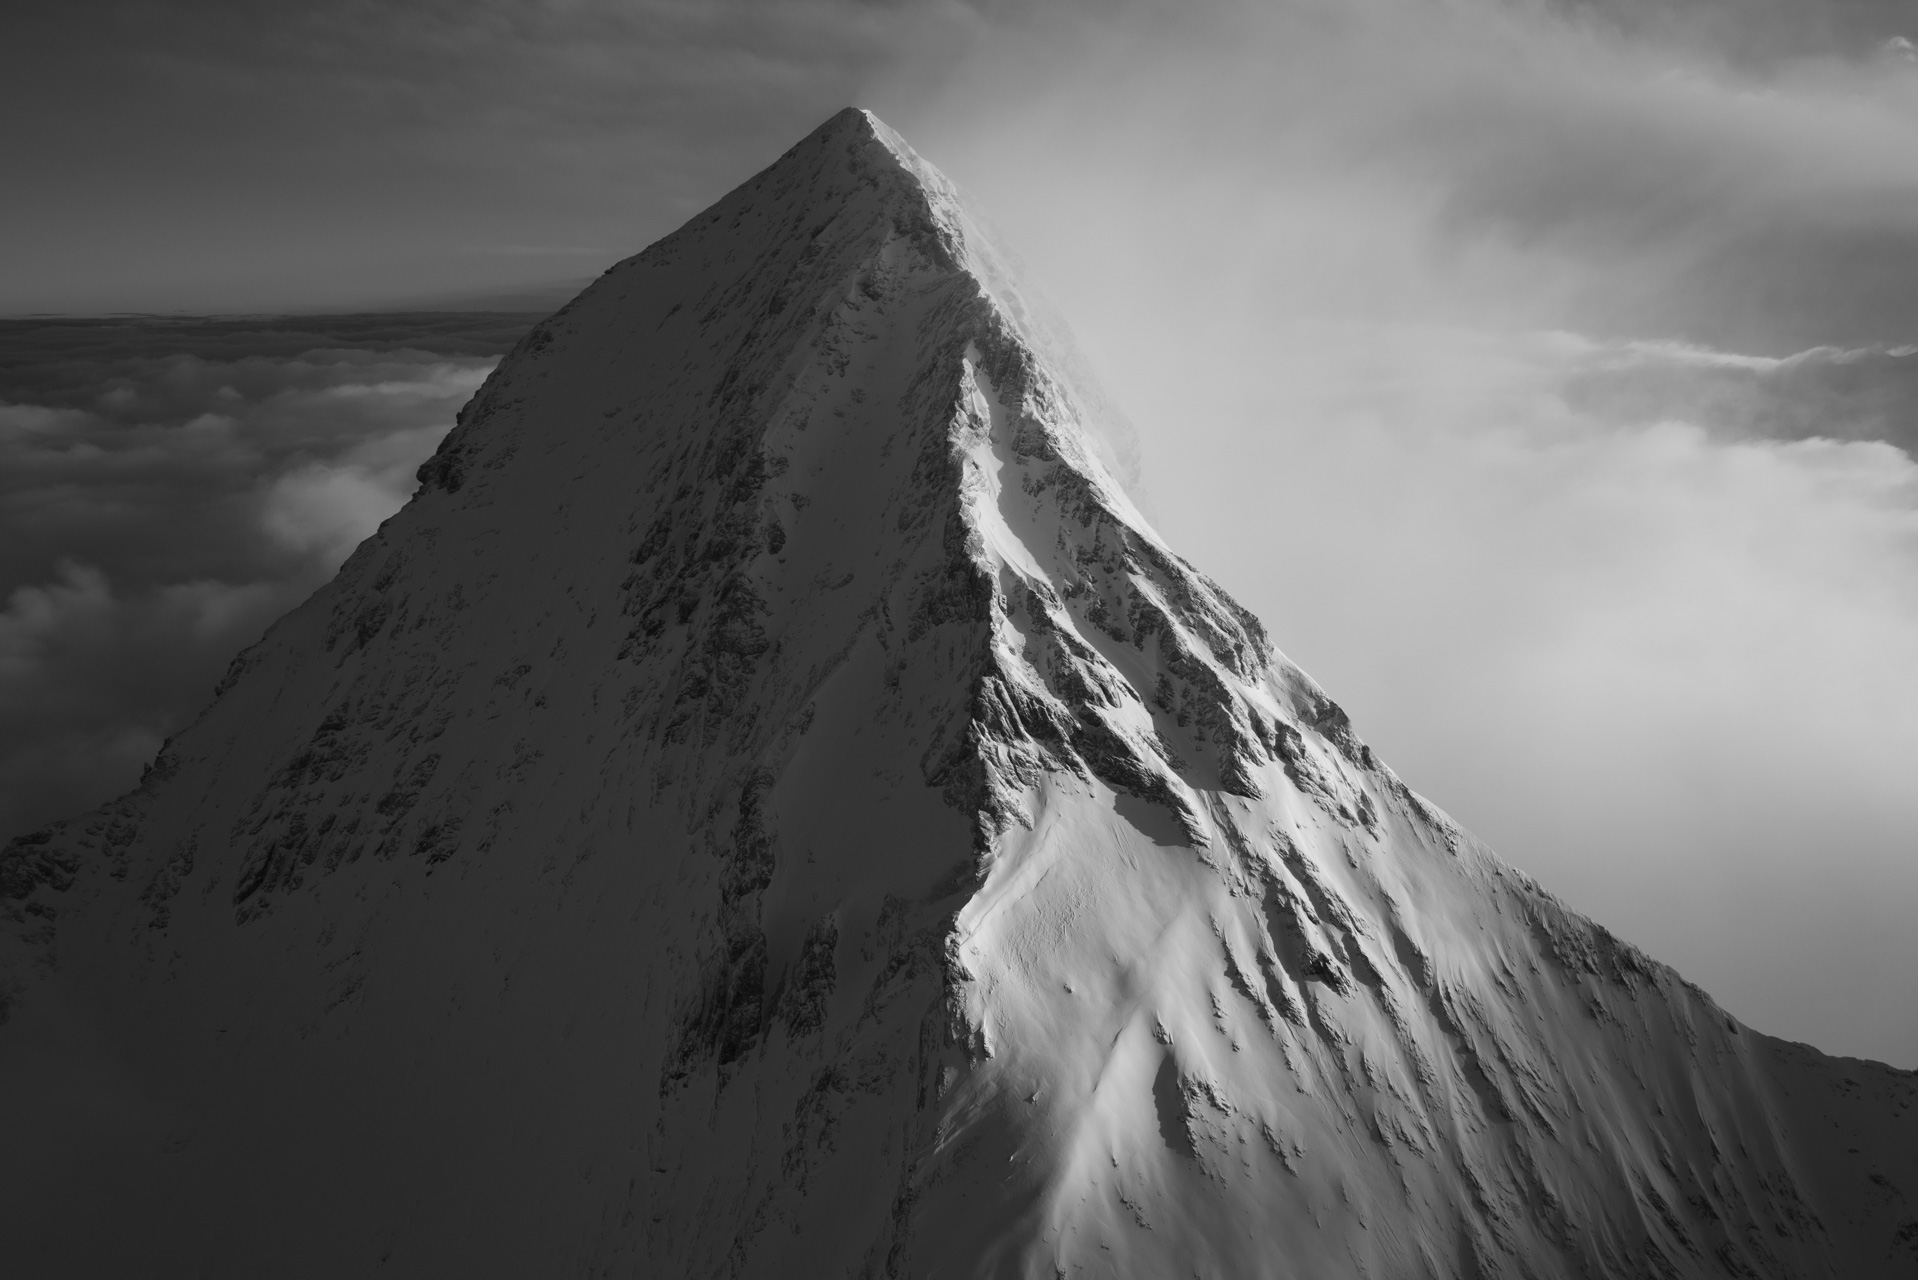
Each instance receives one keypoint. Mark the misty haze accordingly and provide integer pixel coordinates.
(789, 752)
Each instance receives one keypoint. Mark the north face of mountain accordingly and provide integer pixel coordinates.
(770, 806)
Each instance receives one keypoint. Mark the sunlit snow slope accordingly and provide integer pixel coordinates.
(769, 806)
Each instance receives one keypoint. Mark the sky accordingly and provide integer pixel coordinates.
(1544, 373)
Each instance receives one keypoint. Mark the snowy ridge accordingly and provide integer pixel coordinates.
(770, 805)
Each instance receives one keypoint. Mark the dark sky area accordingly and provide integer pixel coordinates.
(1545, 374)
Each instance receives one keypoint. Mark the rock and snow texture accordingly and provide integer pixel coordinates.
(769, 806)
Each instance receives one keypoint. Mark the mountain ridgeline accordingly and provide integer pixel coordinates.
(770, 806)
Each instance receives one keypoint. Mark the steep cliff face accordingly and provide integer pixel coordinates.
(770, 806)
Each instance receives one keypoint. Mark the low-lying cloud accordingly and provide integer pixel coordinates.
(168, 488)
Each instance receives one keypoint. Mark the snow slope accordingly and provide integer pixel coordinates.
(769, 806)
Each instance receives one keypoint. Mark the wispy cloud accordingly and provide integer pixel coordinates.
(1833, 393)
(1558, 163)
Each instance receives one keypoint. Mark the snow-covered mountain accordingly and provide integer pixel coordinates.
(770, 806)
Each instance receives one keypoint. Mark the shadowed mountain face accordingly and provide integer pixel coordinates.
(770, 806)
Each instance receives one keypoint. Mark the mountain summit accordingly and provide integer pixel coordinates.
(770, 806)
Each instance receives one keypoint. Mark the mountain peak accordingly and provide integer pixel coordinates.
(851, 161)
(839, 315)
(859, 130)
(856, 124)
(771, 783)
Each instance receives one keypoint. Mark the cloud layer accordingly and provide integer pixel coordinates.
(166, 490)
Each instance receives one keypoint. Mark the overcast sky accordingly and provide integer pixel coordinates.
(1542, 373)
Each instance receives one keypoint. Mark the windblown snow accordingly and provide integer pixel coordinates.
(770, 806)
